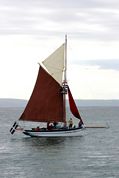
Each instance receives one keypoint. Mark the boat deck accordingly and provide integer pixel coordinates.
(53, 130)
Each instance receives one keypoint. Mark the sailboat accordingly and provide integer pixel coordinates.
(47, 103)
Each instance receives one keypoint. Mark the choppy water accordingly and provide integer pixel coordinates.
(95, 154)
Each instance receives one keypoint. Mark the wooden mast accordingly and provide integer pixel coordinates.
(65, 60)
(65, 80)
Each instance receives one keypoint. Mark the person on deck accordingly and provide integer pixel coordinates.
(49, 126)
(70, 123)
(80, 124)
(55, 124)
(37, 128)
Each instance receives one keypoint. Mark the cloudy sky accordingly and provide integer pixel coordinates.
(32, 29)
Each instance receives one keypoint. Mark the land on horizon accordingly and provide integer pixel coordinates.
(22, 103)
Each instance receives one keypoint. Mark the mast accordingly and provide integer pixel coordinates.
(65, 60)
(64, 85)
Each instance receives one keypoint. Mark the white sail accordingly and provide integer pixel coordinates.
(55, 64)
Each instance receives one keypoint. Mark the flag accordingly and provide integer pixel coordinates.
(13, 128)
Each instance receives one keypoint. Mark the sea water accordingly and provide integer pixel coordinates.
(94, 154)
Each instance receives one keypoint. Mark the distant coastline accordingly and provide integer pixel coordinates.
(22, 103)
(97, 102)
(6, 102)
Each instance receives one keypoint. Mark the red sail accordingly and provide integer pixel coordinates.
(46, 102)
(73, 106)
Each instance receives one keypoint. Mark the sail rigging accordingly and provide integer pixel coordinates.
(48, 99)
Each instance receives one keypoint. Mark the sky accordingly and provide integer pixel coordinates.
(30, 30)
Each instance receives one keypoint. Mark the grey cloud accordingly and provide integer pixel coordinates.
(76, 17)
(53, 4)
(112, 64)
